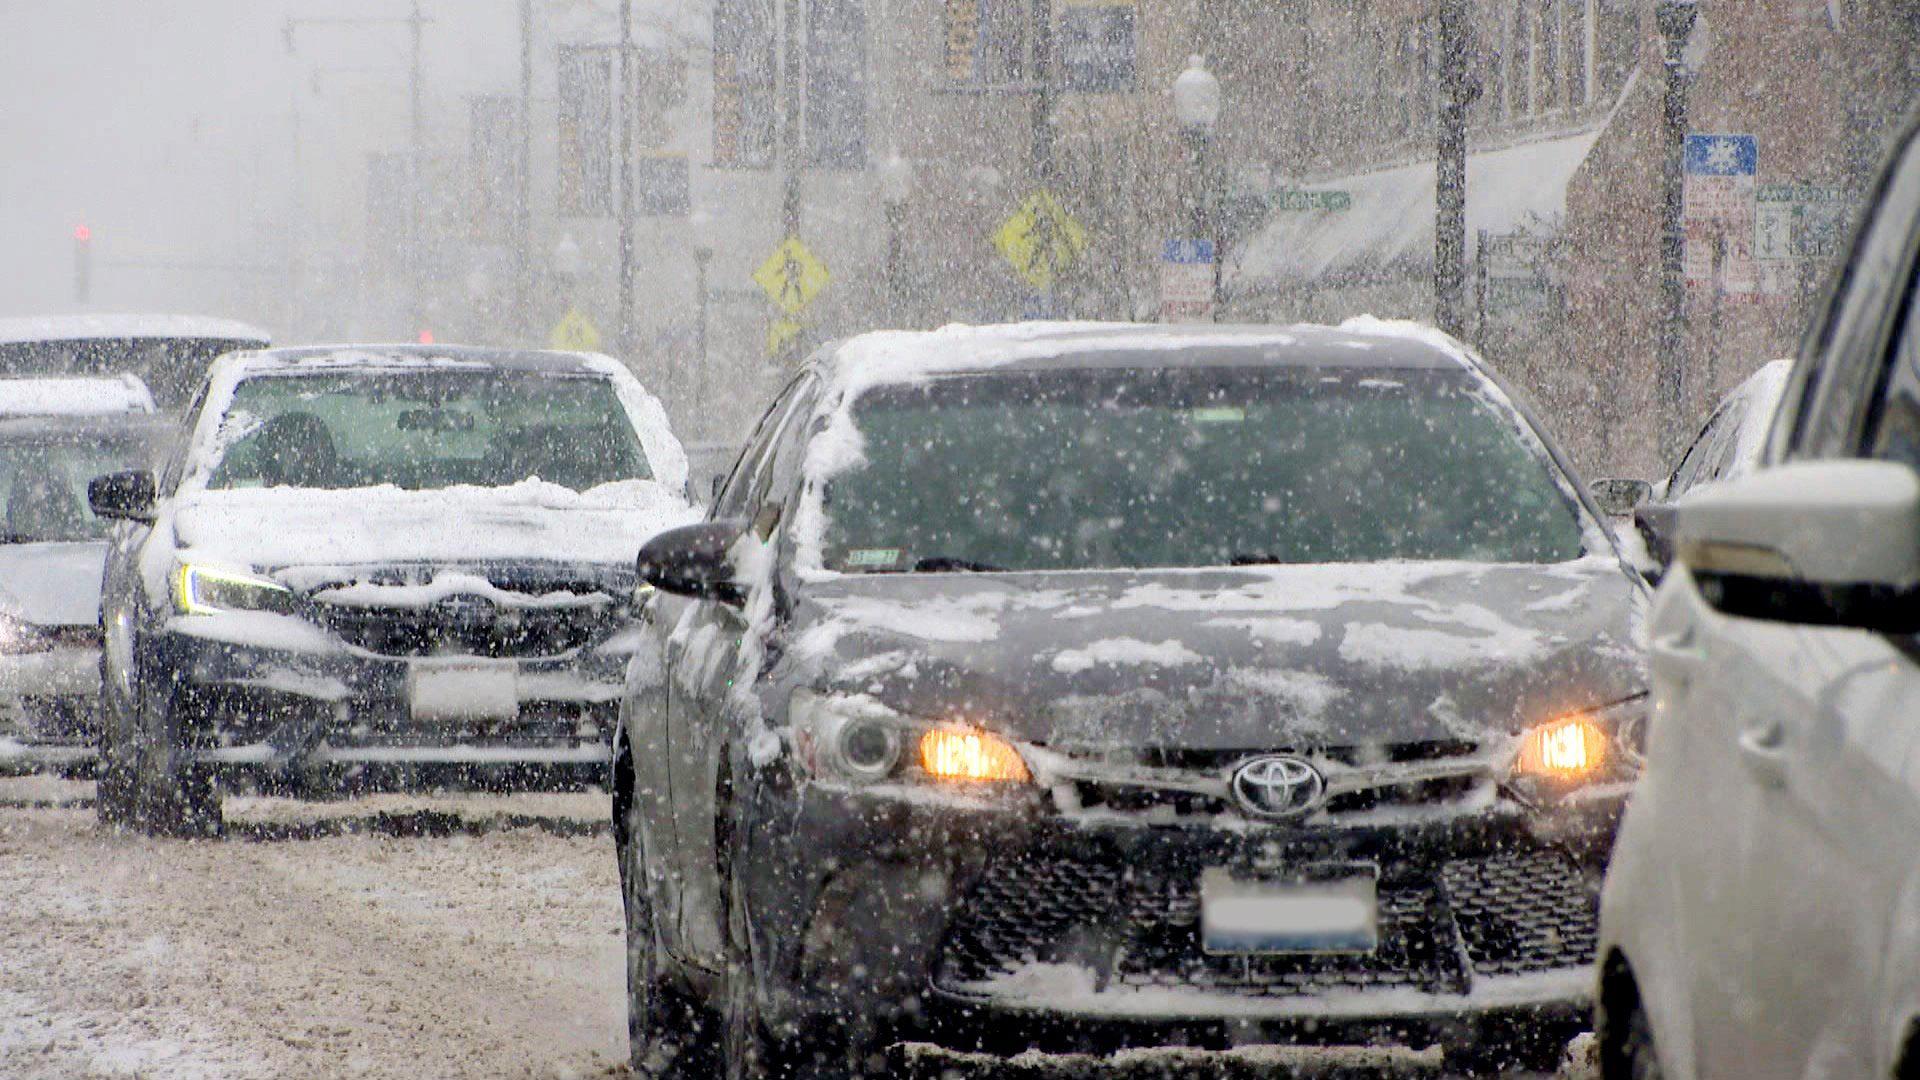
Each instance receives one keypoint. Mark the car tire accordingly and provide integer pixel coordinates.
(1633, 1055)
(750, 1048)
(166, 795)
(113, 800)
(666, 1030)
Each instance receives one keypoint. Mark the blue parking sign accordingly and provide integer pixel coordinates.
(1188, 252)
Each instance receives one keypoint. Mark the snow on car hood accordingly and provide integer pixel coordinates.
(1300, 656)
(276, 528)
(52, 584)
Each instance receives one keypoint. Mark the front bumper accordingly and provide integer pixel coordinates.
(49, 709)
(968, 920)
(307, 700)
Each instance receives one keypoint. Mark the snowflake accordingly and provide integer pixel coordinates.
(1723, 156)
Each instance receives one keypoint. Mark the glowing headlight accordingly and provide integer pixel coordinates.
(198, 590)
(858, 740)
(1584, 746)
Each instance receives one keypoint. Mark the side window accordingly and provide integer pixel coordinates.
(732, 502)
(1694, 467)
(1895, 433)
(774, 478)
(182, 441)
(1854, 339)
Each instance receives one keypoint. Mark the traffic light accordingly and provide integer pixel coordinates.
(82, 263)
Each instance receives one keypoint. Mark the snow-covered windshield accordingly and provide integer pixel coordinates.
(44, 481)
(1191, 467)
(426, 429)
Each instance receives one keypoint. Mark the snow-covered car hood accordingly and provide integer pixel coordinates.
(52, 584)
(1266, 657)
(273, 529)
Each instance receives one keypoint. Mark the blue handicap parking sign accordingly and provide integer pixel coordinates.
(1188, 252)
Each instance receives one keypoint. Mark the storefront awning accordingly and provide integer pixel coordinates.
(1389, 221)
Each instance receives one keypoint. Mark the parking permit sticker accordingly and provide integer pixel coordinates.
(1218, 414)
(873, 556)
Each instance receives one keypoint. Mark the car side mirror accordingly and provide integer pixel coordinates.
(693, 560)
(1618, 498)
(1655, 523)
(1819, 543)
(122, 496)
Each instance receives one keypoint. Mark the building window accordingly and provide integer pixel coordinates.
(990, 42)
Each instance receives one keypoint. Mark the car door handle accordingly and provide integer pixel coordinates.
(1763, 750)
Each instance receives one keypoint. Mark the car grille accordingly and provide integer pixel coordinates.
(1139, 928)
(465, 628)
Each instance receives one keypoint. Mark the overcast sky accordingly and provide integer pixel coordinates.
(166, 128)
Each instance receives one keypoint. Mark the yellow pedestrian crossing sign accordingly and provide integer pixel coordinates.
(792, 276)
(1042, 240)
(575, 332)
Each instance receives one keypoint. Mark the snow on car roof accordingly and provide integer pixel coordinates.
(892, 356)
(108, 327)
(74, 396)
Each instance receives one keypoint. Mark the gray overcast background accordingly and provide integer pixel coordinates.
(166, 127)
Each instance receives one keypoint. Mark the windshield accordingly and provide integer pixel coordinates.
(44, 479)
(421, 430)
(1088, 470)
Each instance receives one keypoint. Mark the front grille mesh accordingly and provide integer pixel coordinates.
(476, 630)
(1138, 928)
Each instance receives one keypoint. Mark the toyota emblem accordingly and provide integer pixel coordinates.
(1275, 788)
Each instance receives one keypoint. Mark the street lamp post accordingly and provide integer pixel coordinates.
(896, 187)
(700, 225)
(1677, 19)
(1196, 106)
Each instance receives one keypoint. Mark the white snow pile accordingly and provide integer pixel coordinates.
(74, 396)
(1124, 652)
(107, 327)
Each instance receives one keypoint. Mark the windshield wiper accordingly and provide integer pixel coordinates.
(1258, 558)
(935, 564)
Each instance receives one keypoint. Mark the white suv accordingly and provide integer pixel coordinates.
(1762, 914)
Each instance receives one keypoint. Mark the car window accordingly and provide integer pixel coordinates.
(1096, 470)
(1726, 441)
(1894, 434)
(1696, 466)
(738, 492)
(43, 483)
(423, 430)
(1853, 340)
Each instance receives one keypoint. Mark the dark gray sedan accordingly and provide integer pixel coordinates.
(1097, 686)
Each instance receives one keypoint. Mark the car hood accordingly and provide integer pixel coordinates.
(52, 584)
(277, 528)
(1304, 656)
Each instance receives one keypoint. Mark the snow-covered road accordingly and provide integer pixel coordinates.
(469, 936)
(388, 936)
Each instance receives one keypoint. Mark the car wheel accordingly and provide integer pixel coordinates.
(1633, 1056)
(752, 1050)
(113, 799)
(665, 1029)
(168, 795)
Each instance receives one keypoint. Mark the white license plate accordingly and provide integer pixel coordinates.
(463, 690)
(1330, 911)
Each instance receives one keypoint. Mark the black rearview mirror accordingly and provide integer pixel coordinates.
(693, 561)
(123, 496)
(1618, 498)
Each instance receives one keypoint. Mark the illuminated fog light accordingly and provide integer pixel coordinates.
(1566, 749)
(959, 754)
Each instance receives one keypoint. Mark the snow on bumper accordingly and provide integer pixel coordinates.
(48, 707)
(297, 696)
